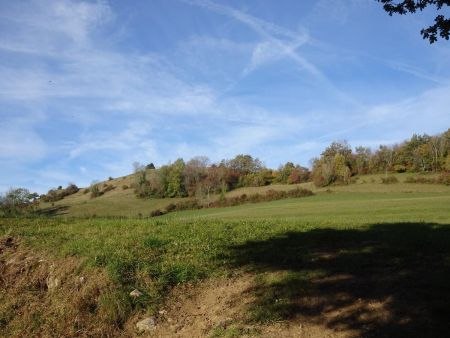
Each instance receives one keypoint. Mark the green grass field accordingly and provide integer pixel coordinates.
(120, 202)
(365, 242)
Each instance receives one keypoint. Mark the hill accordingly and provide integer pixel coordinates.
(360, 260)
(120, 202)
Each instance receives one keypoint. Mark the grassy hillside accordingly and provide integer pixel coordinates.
(336, 208)
(360, 263)
(123, 202)
(116, 202)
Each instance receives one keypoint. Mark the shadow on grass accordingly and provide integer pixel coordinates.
(52, 211)
(386, 280)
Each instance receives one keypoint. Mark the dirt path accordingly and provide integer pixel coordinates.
(218, 307)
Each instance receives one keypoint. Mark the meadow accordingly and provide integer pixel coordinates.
(373, 263)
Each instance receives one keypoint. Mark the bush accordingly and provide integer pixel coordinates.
(71, 189)
(444, 178)
(410, 179)
(400, 168)
(171, 207)
(95, 191)
(389, 180)
(125, 187)
(54, 195)
(108, 188)
(270, 195)
(156, 213)
(188, 205)
(114, 307)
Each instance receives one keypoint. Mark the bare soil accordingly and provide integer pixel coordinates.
(47, 297)
(219, 307)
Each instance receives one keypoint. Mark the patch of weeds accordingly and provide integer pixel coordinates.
(155, 243)
(179, 273)
(100, 260)
(276, 294)
(389, 180)
(122, 270)
(114, 307)
(36, 321)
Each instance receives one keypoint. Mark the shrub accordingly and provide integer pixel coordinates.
(188, 205)
(71, 189)
(444, 178)
(108, 188)
(110, 178)
(114, 307)
(58, 194)
(95, 191)
(170, 207)
(421, 179)
(389, 180)
(156, 213)
(319, 181)
(299, 192)
(410, 179)
(270, 195)
(354, 180)
(125, 187)
(400, 168)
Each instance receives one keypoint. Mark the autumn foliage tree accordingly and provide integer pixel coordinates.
(441, 26)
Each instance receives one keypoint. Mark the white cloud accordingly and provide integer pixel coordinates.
(269, 51)
(57, 27)
(125, 106)
(282, 43)
(21, 144)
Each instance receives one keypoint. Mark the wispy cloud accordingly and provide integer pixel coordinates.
(284, 40)
(417, 72)
(278, 43)
(81, 100)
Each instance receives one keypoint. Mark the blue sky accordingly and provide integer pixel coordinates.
(87, 88)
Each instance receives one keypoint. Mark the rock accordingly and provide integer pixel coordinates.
(82, 280)
(136, 293)
(52, 282)
(162, 312)
(147, 324)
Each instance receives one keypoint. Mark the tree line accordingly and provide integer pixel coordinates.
(421, 153)
(198, 177)
(338, 163)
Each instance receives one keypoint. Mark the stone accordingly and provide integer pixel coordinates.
(147, 324)
(136, 293)
(52, 282)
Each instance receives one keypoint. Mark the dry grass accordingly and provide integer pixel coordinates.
(74, 308)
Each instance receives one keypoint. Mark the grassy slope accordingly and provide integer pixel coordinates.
(120, 202)
(399, 233)
(117, 202)
(336, 208)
